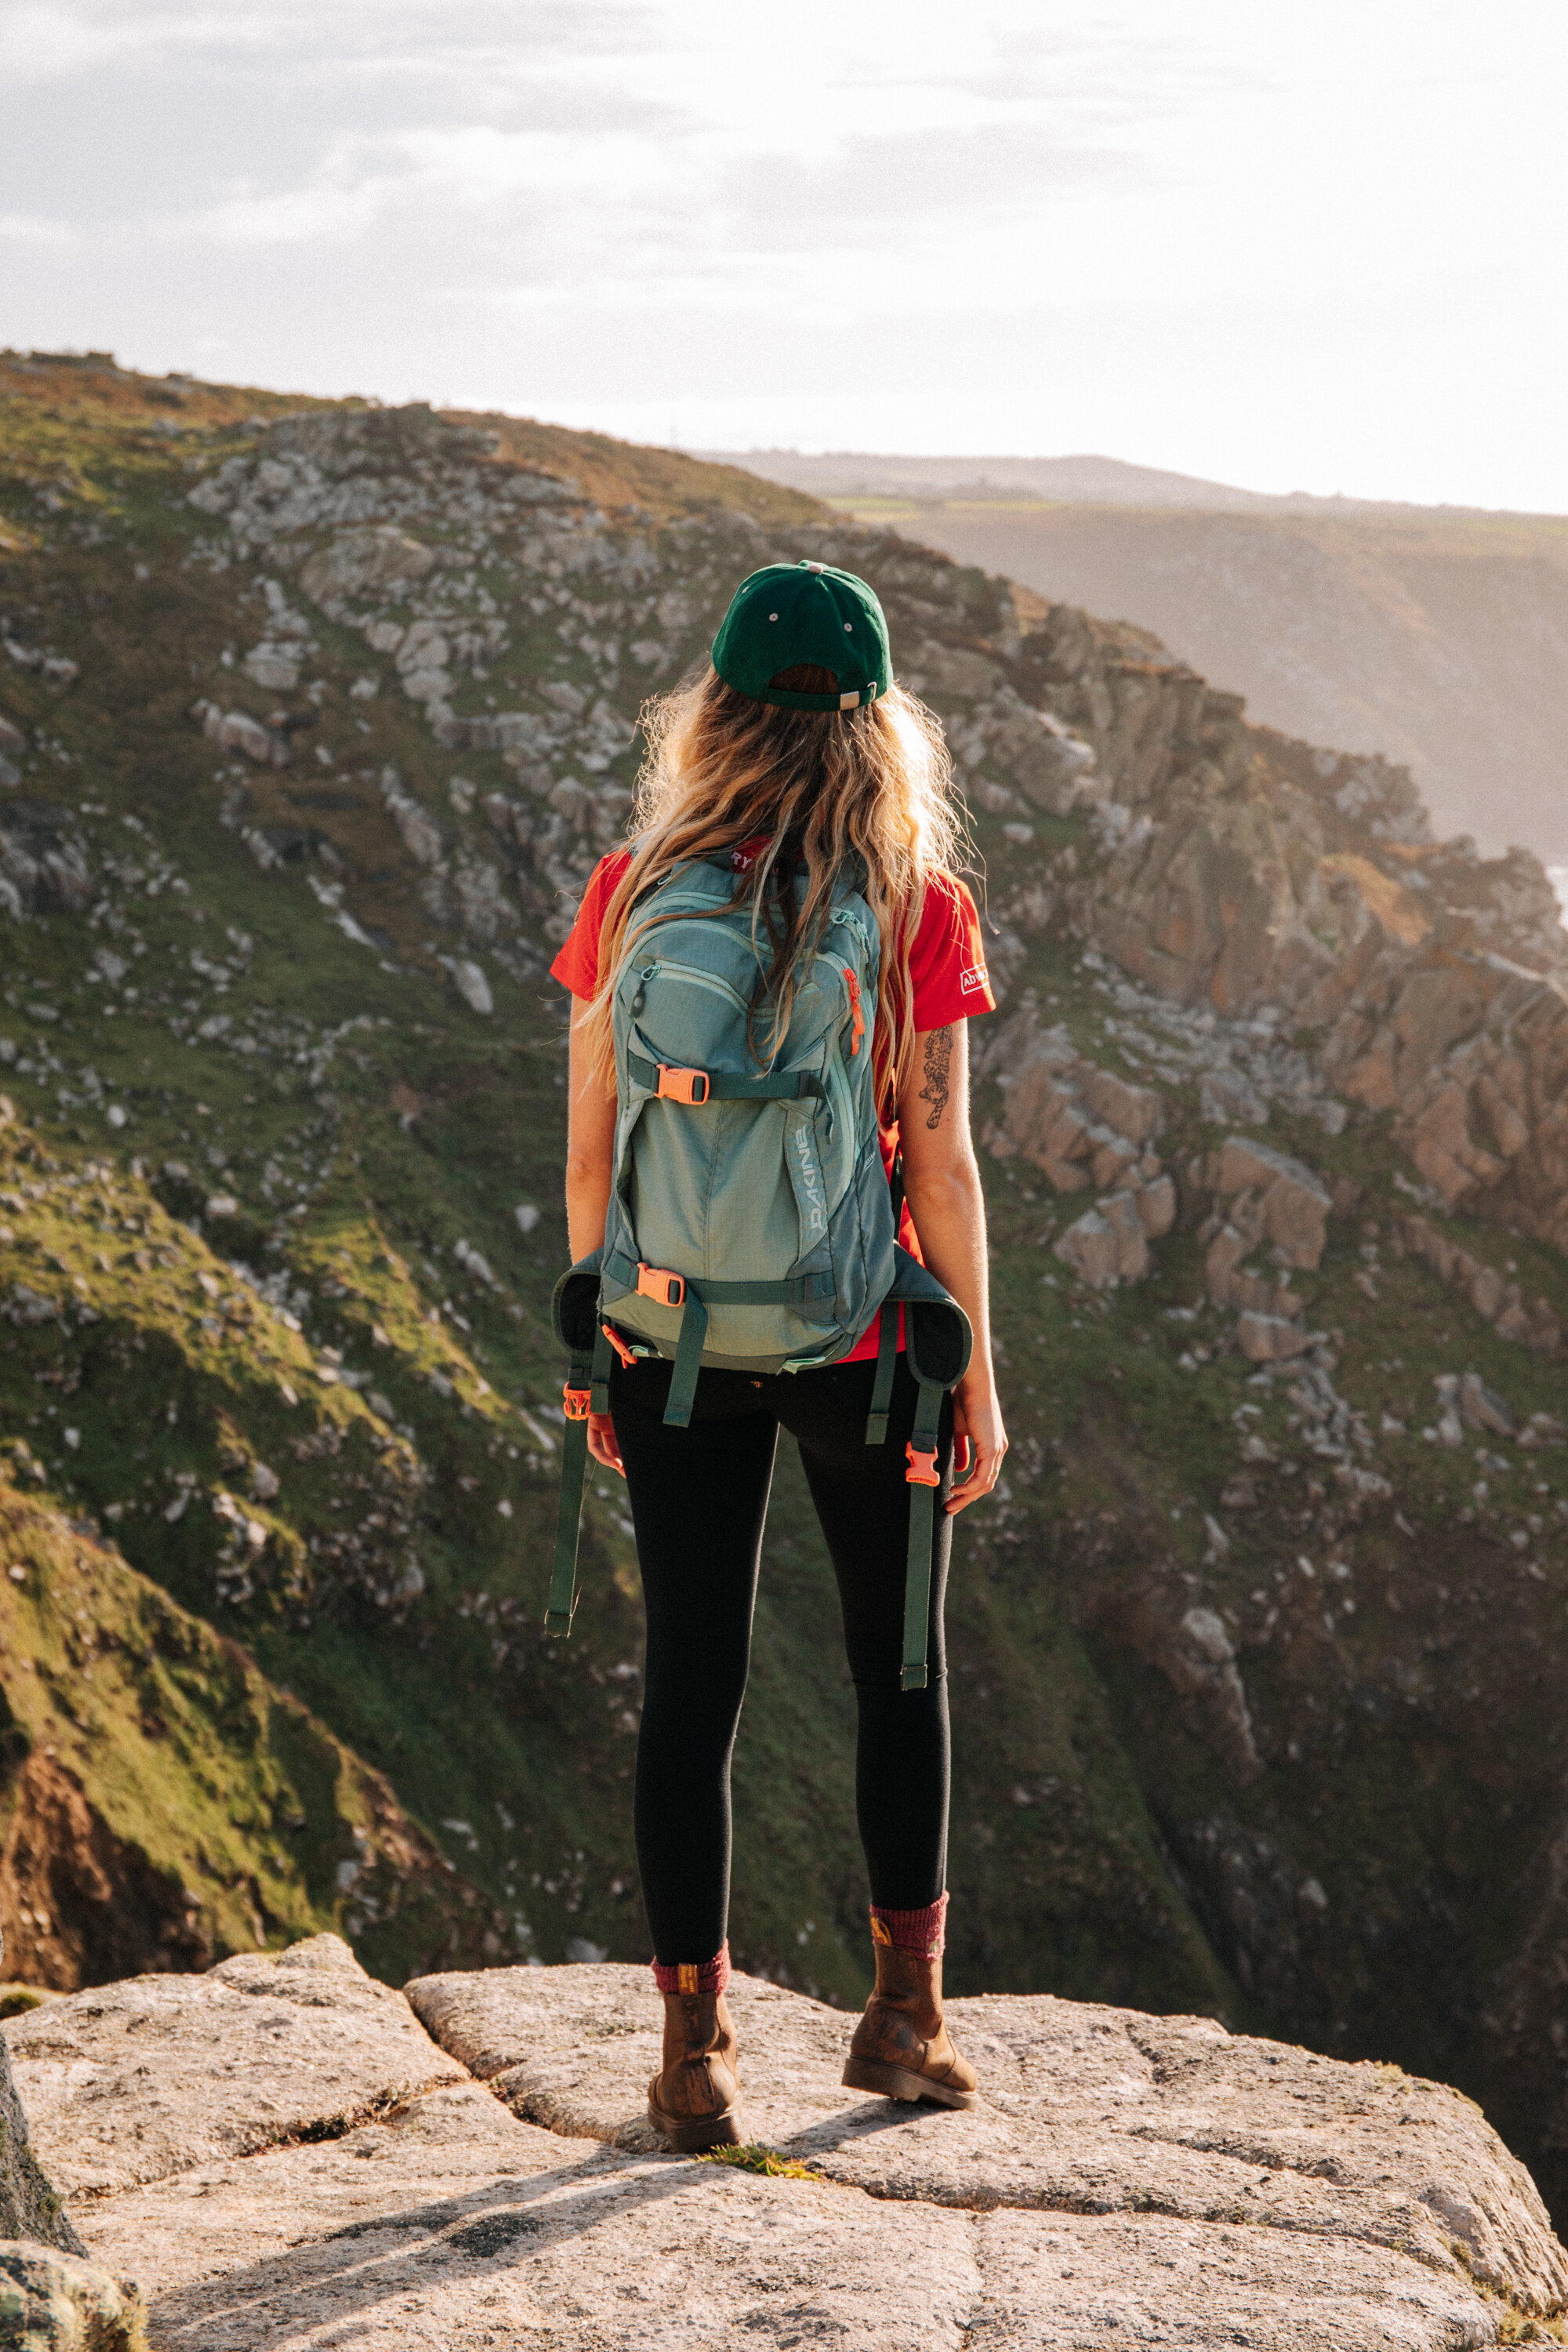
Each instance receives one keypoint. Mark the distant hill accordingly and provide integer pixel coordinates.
(1435, 636)
(1086, 480)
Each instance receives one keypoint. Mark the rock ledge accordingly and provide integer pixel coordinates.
(284, 2154)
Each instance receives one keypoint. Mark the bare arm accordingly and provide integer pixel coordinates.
(942, 1182)
(590, 1145)
(590, 1166)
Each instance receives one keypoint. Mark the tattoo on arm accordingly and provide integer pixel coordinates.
(938, 1065)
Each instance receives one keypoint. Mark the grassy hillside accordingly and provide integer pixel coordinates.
(164, 1804)
(319, 717)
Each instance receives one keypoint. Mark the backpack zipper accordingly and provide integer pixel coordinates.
(858, 1030)
(698, 979)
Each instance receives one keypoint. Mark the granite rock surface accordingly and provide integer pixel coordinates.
(282, 2152)
(134, 2081)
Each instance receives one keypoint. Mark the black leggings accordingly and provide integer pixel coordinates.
(699, 1497)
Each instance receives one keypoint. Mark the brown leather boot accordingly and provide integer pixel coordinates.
(901, 2046)
(694, 2099)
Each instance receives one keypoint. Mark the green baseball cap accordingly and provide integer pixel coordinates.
(793, 612)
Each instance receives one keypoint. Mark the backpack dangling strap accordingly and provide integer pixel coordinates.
(688, 1362)
(924, 1477)
(887, 1364)
(587, 1390)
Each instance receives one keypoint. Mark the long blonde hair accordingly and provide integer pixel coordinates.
(723, 770)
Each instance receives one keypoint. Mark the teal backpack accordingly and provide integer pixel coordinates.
(751, 1224)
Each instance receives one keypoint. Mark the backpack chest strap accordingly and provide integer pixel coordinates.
(672, 1083)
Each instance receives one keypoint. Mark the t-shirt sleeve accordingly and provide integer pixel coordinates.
(577, 965)
(947, 961)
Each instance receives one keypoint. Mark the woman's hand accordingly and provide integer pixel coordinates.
(977, 1419)
(602, 1443)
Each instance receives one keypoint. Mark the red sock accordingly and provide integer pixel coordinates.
(924, 1931)
(694, 1976)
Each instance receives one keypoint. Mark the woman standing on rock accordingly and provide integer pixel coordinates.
(805, 794)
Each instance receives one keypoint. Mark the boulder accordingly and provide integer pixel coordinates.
(470, 982)
(277, 667)
(1120, 1213)
(1296, 1203)
(1092, 1248)
(1157, 1206)
(379, 560)
(236, 730)
(421, 834)
(1229, 1282)
(1270, 1338)
(58, 2303)
(1135, 1111)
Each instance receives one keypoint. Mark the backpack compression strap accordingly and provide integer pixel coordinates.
(694, 1298)
(937, 1342)
(924, 1477)
(587, 1390)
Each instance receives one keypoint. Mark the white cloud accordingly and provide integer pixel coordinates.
(32, 228)
(1316, 240)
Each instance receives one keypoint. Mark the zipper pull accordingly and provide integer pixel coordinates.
(858, 1030)
(648, 971)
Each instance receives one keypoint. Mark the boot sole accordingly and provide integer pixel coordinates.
(692, 2134)
(897, 2083)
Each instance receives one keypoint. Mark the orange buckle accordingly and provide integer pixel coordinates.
(681, 1085)
(619, 1344)
(577, 1401)
(922, 1470)
(657, 1282)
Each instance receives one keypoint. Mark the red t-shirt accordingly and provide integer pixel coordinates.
(947, 970)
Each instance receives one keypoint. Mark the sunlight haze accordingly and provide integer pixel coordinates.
(1287, 248)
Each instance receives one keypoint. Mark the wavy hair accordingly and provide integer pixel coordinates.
(723, 770)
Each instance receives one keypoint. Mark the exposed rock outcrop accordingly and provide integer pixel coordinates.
(296, 2156)
(1245, 871)
(44, 865)
(29, 2205)
(1079, 1125)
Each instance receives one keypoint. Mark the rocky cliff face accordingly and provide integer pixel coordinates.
(300, 2151)
(1254, 1658)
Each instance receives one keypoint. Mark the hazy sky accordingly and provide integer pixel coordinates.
(1313, 243)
